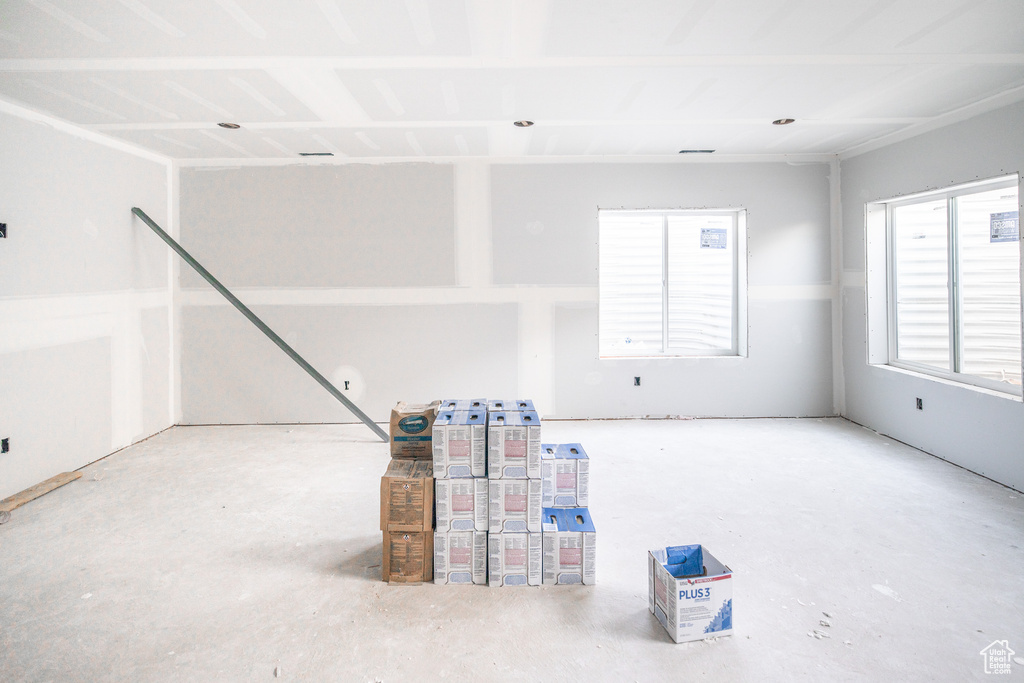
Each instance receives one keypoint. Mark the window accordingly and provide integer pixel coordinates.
(669, 282)
(954, 290)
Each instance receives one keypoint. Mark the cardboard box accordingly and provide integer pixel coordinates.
(461, 504)
(460, 444)
(498, 405)
(407, 496)
(570, 546)
(453, 404)
(513, 445)
(408, 556)
(565, 473)
(691, 607)
(513, 505)
(460, 557)
(514, 559)
(411, 430)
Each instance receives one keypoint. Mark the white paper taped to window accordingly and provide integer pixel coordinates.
(714, 238)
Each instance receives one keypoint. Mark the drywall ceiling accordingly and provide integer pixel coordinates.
(408, 79)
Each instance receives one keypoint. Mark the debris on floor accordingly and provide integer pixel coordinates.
(889, 592)
(30, 494)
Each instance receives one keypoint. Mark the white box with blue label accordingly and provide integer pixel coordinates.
(690, 592)
(570, 546)
(513, 445)
(514, 505)
(497, 405)
(565, 473)
(454, 404)
(460, 444)
(460, 504)
(514, 559)
(460, 557)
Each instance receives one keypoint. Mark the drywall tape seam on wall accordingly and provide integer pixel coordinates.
(392, 296)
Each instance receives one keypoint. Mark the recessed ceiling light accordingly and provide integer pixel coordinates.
(316, 154)
(696, 151)
(232, 126)
(523, 124)
(782, 122)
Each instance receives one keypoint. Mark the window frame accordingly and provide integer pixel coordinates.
(738, 347)
(955, 313)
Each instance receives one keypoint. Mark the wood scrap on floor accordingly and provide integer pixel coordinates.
(40, 489)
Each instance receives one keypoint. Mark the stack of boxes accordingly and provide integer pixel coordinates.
(407, 496)
(514, 492)
(406, 516)
(504, 508)
(569, 535)
(460, 480)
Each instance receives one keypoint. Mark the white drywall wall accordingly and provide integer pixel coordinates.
(545, 234)
(85, 365)
(976, 429)
(320, 226)
(476, 279)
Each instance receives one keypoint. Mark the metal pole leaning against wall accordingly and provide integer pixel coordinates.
(244, 310)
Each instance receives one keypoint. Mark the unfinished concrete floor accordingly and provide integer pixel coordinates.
(224, 553)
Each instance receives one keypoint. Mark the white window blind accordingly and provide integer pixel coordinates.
(955, 291)
(667, 283)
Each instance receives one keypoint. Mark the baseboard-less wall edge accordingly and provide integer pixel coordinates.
(28, 495)
(40, 489)
(653, 418)
(268, 424)
(937, 457)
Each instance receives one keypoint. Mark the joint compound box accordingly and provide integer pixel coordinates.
(460, 557)
(565, 472)
(513, 445)
(411, 429)
(514, 559)
(498, 405)
(461, 504)
(514, 505)
(689, 607)
(407, 496)
(408, 556)
(460, 444)
(570, 546)
(453, 404)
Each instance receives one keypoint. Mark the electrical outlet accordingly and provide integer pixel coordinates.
(920, 404)
(3, 230)
(636, 381)
(5, 445)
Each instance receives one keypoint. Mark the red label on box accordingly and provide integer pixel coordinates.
(515, 449)
(570, 556)
(515, 503)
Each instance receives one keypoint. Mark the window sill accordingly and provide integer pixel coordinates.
(732, 356)
(1013, 395)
